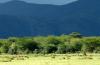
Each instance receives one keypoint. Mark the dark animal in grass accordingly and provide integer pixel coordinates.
(63, 58)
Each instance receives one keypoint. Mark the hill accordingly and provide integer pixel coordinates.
(18, 18)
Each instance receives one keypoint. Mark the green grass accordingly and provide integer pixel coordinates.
(71, 59)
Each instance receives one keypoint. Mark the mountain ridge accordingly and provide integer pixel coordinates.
(37, 19)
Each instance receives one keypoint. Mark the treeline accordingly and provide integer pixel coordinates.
(72, 43)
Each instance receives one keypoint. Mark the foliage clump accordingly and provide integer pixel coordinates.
(62, 44)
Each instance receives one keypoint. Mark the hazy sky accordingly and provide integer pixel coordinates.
(59, 2)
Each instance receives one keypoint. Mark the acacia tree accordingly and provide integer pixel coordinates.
(75, 35)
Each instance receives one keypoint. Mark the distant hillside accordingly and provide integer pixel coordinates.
(18, 18)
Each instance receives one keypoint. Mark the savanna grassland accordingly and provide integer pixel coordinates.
(51, 59)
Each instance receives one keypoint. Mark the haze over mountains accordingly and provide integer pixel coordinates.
(18, 18)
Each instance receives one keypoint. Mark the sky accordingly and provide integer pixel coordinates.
(57, 2)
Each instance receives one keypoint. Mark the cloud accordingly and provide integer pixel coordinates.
(59, 2)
